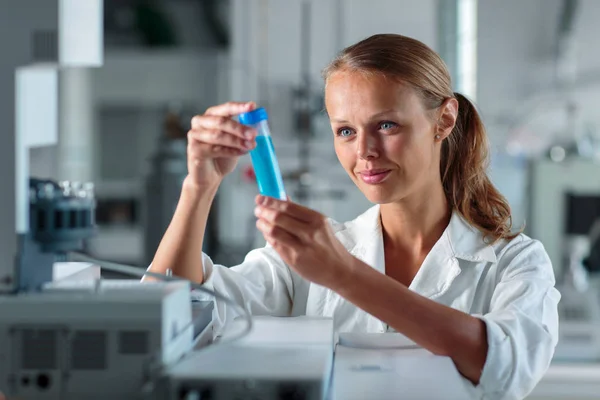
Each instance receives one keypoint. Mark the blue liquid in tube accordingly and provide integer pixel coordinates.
(264, 161)
(266, 168)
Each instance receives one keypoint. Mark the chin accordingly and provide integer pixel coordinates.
(380, 195)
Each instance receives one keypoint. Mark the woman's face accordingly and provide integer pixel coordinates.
(384, 137)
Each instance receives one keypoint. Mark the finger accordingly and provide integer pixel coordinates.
(285, 221)
(276, 234)
(286, 252)
(295, 210)
(231, 108)
(204, 150)
(221, 138)
(220, 123)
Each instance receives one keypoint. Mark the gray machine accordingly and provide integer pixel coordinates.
(61, 218)
(72, 338)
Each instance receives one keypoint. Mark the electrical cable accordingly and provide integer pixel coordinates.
(138, 272)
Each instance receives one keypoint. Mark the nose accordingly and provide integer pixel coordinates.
(367, 146)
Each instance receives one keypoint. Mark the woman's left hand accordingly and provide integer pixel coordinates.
(303, 239)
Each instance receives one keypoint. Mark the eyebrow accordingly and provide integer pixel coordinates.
(375, 116)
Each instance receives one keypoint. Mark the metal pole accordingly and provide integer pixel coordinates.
(458, 43)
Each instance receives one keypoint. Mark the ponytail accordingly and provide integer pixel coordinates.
(464, 160)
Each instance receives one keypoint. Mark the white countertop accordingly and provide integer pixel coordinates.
(387, 374)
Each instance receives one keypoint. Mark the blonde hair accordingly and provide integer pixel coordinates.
(464, 153)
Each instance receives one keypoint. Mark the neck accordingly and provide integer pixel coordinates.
(413, 224)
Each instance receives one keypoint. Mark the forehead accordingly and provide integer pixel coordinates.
(352, 89)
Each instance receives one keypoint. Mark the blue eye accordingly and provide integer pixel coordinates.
(387, 125)
(344, 132)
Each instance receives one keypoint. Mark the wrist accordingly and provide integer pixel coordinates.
(348, 276)
(197, 191)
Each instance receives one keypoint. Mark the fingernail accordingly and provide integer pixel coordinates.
(249, 133)
(257, 211)
(248, 144)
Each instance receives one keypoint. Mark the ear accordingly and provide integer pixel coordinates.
(448, 112)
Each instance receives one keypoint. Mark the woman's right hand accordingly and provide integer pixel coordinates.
(216, 141)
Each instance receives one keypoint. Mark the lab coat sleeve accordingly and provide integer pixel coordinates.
(522, 325)
(262, 283)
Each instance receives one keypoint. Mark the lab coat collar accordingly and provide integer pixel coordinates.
(467, 242)
(363, 236)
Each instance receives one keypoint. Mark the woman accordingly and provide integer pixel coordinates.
(435, 259)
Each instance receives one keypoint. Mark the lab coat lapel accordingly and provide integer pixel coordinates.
(374, 253)
(460, 246)
(438, 271)
(365, 239)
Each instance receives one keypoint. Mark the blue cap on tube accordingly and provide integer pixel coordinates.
(253, 117)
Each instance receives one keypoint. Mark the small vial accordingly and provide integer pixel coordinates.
(264, 161)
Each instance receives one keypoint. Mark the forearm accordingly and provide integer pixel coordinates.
(436, 327)
(181, 247)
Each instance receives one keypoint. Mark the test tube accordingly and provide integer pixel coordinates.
(264, 161)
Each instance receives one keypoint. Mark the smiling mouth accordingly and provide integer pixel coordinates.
(375, 176)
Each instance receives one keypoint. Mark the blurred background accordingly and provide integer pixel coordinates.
(531, 66)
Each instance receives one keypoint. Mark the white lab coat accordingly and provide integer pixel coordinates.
(509, 285)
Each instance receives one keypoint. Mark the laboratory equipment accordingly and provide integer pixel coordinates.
(239, 372)
(61, 343)
(61, 217)
(264, 161)
(281, 358)
(564, 203)
(37, 47)
(57, 339)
